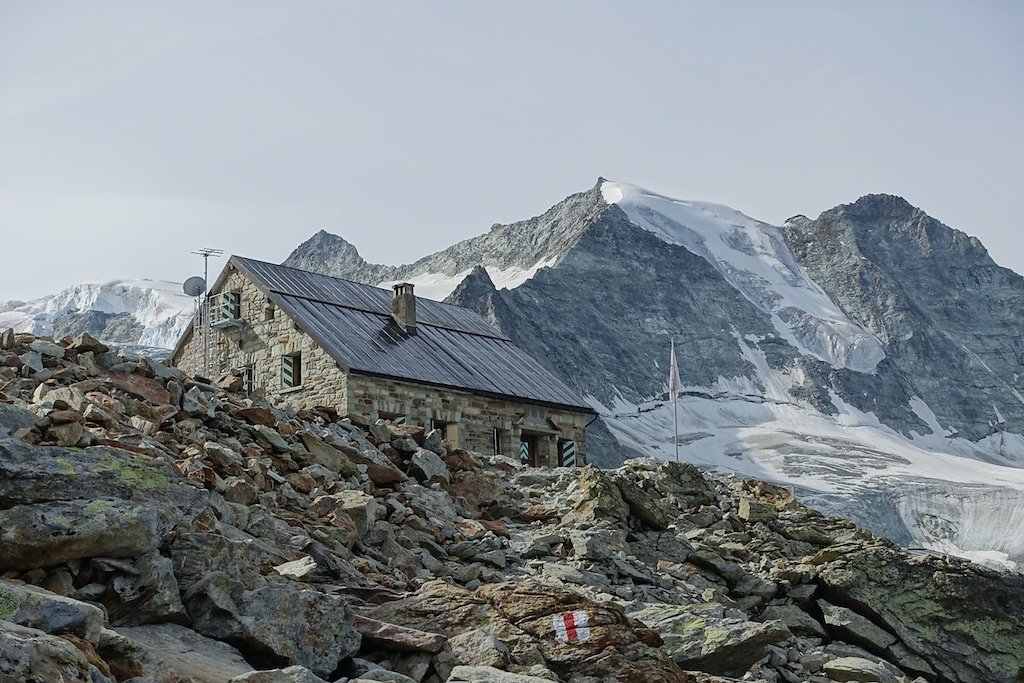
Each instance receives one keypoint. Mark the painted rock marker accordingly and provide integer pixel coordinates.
(571, 627)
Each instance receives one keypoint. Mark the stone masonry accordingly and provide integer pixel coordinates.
(265, 335)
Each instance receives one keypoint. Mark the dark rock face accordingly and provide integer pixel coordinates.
(604, 316)
(114, 327)
(950, 318)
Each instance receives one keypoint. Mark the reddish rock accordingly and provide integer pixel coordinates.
(231, 383)
(141, 387)
(415, 432)
(255, 415)
(380, 634)
(382, 472)
(540, 513)
(58, 417)
(459, 460)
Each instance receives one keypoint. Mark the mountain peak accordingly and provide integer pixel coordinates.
(875, 206)
(322, 238)
(326, 246)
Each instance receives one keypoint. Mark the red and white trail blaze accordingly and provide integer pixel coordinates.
(571, 627)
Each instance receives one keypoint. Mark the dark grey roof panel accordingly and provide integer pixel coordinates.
(326, 289)
(372, 343)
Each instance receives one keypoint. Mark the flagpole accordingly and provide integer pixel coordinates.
(675, 406)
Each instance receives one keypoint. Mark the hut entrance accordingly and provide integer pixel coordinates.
(529, 449)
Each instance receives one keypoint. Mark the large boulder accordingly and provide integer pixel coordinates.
(167, 648)
(51, 613)
(47, 534)
(428, 467)
(710, 638)
(145, 591)
(966, 621)
(599, 500)
(320, 453)
(59, 504)
(301, 626)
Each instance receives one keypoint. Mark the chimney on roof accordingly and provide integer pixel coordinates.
(403, 306)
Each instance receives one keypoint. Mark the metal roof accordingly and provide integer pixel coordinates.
(452, 346)
(333, 290)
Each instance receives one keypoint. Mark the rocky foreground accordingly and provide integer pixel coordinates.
(157, 528)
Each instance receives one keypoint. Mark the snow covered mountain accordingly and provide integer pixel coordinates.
(148, 314)
(870, 358)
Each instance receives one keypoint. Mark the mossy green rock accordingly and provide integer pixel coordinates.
(40, 609)
(965, 620)
(59, 504)
(35, 474)
(708, 638)
(47, 534)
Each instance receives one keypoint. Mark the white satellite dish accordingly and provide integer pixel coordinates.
(194, 286)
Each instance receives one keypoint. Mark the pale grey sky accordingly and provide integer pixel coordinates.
(134, 132)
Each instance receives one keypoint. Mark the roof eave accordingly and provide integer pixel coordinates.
(480, 392)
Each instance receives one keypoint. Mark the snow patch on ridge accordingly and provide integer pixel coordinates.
(438, 286)
(754, 258)
(160, 307)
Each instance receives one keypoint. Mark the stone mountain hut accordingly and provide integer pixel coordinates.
(305, 339)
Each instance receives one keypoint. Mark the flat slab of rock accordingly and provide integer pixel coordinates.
(48, 612)
(796, 620)
(65, 504)
(400, 638)
(488, 674)
(292, 674)
(859, 669)
(853, 628)
(188, 653)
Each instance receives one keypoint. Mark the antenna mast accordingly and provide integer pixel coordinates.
(206, 253)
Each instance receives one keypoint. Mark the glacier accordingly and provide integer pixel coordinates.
(160, 307)
(935, 492)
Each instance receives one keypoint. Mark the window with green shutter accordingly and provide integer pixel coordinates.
(291, 371)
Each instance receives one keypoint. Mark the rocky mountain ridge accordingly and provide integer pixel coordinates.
(860, 357)
(158, 528)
